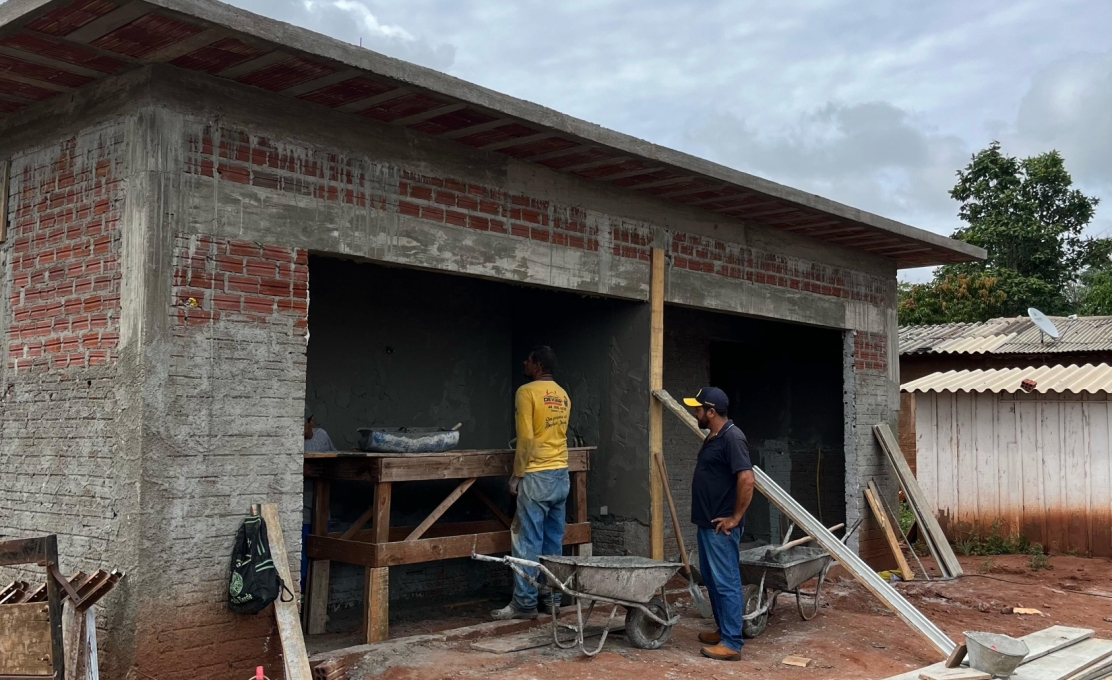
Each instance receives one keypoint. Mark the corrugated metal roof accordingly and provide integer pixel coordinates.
(1087, 378)
(1009, 336)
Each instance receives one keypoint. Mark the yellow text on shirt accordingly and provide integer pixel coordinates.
(541, 414)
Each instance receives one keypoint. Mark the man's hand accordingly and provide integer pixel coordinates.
(514, 481)
(724, 524)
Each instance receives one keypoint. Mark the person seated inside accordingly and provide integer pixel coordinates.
(316, 439)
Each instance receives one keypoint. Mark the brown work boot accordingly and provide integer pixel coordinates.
(710, 638)
(720, 652)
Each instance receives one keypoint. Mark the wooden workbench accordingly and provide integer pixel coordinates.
(381, 546)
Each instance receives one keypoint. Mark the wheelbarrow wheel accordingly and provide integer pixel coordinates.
(642, 631)
(753, 627)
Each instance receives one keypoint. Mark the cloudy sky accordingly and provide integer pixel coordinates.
(870, 102)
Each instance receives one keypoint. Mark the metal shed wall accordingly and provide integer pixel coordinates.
(1039, 463)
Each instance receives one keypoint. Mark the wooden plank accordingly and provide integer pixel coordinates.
(359, 522)
(872, 495)
(376, 579)
(320, 572)
(656, 410)
(371, 455)
(439, 511)
(427, 549)
(579, 497)
(482, 526)
(848, 559)
(924, 514)
(376, 626)
(5, 179)
(503, 519)
(381, 528)
(956, 656)
(416, 467)
(315, 614)
(289, 624)
(25, 641)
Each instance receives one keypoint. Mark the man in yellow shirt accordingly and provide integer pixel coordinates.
(540, 480)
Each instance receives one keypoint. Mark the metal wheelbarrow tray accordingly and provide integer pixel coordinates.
(768, 571)
(784, 571)
(636, 583)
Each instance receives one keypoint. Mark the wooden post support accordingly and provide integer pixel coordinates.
(579, 508)
(656, 411)
(315, 615)
(872, 496)
(376, 586)
(289, 625)
(5, 179)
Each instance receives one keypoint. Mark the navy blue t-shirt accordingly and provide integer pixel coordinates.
(714, 485)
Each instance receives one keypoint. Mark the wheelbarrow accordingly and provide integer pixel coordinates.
(635, 583)
(770, 571)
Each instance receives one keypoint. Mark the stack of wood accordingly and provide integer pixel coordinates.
(929, 529)
(1055, 653)
(83, 590)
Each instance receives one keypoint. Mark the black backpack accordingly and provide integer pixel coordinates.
(254, 582)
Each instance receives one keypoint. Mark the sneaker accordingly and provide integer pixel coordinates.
(545, 606)
(720, 652)
(710, 638)
(510, 612)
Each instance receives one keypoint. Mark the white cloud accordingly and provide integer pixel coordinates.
(868, 102)
(370, 23)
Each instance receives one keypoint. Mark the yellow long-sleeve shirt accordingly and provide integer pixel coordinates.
(541, 415)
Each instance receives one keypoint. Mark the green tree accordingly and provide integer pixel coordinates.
(1029, 219)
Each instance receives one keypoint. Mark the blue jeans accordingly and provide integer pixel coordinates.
(538, 527)
(722, 577)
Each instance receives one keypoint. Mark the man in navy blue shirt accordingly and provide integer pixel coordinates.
(720, 493)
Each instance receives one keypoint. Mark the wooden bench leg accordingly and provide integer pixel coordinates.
(377, 613)
(376, 586)
(315, 614)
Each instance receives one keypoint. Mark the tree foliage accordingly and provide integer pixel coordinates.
(1030, 220)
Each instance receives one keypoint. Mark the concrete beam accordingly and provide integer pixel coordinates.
(434, 81)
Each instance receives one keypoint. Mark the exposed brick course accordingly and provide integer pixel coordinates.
(247, 158)
(65, 287)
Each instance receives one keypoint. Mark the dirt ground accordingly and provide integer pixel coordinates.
(853, 636)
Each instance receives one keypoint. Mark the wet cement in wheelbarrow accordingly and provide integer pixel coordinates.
(853, 636)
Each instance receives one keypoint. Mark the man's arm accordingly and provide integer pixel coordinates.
(745, 484)
(523, 418)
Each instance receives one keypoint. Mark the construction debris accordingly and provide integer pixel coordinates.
(800, 661)
(1055, 653)
(849, 559)
(930, 530)
(872, 496)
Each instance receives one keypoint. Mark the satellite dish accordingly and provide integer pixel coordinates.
(1043, 322)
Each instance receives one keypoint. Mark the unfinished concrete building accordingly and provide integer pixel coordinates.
(214, 221)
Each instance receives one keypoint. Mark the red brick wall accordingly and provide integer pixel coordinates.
(65, 292)
(239, 281)
(241, 157)
(870, 351)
